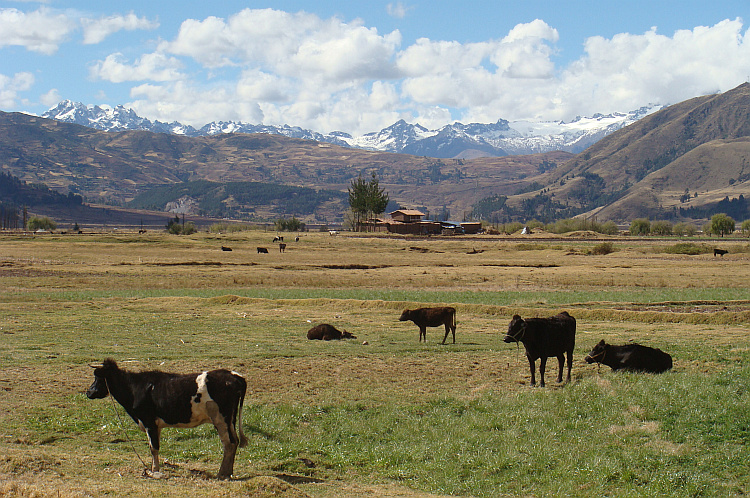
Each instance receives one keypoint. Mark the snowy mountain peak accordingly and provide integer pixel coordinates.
(455, 140)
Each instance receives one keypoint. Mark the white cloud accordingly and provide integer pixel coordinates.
(96, 30)
(51, 98)
(397, 10)
(153, 67)
(40, 31)
(11, 86)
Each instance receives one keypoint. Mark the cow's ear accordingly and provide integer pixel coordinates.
(517, 317)
(602, 343)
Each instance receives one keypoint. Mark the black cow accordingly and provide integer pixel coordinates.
(155, 400)
(225, 248)
(633, 357)
(326, 332)
(282, 247)
(545, 337)
(720, 252)
(432, 317)
(262, 250)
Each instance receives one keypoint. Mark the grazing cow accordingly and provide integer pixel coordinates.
(326, 332)
(545, 337)
(296, 239)
(225, 248)
(432, 317)
(720, 252)
(279, 238)
(155, 400)
(262, 250)
(282, 247)
(633, 357)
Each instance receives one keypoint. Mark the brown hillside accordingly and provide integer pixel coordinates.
(115, 167)
(700, 145)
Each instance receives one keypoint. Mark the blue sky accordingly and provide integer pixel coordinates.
(361, 66)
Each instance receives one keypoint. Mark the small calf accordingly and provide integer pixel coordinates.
(720, 252)
(633, 357)
(326, 332)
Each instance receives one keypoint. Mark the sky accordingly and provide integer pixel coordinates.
(359, 67)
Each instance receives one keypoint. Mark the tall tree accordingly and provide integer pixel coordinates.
(366, 199)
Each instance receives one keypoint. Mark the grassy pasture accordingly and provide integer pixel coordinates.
(391, 417)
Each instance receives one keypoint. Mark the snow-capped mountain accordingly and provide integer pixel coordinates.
(456, 140)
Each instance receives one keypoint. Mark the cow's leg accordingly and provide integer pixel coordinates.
(532, 368)
(560, 366)
(447, 330)
(542, 369)
(570, 363)
(453, 329)
(229, 442)
(422, 333)
(154, 435)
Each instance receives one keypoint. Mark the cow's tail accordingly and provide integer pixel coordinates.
(240, 403)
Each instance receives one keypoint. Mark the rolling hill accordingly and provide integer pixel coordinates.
(686, 156)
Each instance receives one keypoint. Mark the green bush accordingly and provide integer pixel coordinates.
(688, 248)
(40, 223)
(603, 248)
(641, 226)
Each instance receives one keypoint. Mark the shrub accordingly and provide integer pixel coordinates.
(641, 226)
(661, 228)
(688, 248)
(40, 223)
(609, 228)
(603, 248)
(682, 228)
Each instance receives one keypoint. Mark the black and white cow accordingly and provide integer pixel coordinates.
(155, 400)
(545, 337)
(633, 357)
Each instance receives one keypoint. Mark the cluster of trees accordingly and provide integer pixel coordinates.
(177, 227)
(237, 198)
(720, 225)
(366, 199)
(289, 225)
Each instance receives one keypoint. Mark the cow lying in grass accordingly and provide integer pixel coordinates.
(155, 400)
(633, 357)
(326, 332)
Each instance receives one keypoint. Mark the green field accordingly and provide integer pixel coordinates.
(382, 415)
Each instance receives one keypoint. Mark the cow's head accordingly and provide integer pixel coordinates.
(347, 335)
(597, 354)
(516, 329)
(99, 388)
(406, 315)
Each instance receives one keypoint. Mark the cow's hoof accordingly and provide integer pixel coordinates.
(154, 475)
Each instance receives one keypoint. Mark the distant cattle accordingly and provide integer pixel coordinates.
(278, 238)
(140, 232)
(225, 248)
(633, 357)
(262, 250)
(296, 239)
(432, 317)
(332, 232)
(543, 338)
(282, 247)
(720, 252)
(155, 400)
(326, 332)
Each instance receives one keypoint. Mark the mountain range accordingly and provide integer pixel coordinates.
(455, 140)
(686, 161)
